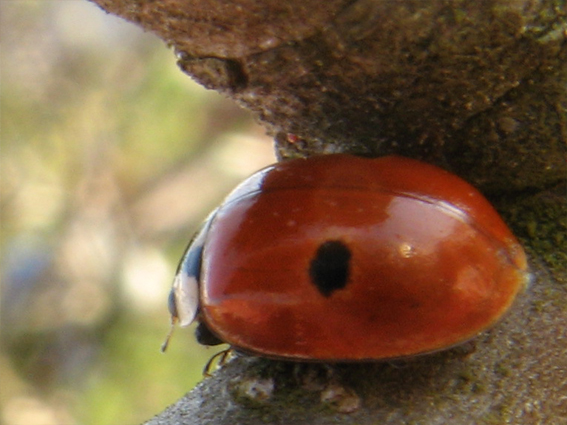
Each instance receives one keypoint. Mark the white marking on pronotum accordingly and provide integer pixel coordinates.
(185, 301)
(186, 293)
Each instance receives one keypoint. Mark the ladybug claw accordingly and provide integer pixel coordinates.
(221, 356)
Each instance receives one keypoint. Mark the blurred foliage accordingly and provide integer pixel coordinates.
(109, 159)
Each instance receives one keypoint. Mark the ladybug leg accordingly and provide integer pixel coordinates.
(222, 357)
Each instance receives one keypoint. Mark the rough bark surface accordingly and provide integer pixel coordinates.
(477, 87)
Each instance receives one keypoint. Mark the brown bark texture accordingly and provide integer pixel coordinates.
(476, 87)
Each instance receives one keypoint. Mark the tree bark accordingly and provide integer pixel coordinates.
(477, 87)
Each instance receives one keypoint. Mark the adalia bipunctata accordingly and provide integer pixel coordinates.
(344, 258)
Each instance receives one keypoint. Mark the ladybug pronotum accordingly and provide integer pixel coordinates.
(344, 258)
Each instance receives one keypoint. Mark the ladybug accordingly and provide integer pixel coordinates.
(344, 258)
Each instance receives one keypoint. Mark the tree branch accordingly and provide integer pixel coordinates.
(477, 87)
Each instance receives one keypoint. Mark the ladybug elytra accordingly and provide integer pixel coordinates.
(344, 258)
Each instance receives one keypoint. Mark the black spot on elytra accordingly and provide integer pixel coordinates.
(329, 269)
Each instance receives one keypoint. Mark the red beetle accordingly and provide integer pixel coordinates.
(344, 258)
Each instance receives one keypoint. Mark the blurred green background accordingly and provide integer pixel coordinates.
(110, 158)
